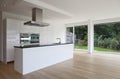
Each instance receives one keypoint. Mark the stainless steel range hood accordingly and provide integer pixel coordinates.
(36, 18)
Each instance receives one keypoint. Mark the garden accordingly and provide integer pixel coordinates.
(106, 37)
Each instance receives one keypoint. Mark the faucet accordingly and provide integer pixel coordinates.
(59, 40)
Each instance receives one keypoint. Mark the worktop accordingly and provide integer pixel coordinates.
(38, 45)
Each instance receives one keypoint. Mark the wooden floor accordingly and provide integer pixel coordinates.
(82, 66)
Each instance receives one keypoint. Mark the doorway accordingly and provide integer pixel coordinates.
(81, 37)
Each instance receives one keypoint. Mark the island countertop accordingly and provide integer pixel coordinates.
(38, 45)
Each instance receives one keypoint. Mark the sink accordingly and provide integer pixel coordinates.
(56, 43)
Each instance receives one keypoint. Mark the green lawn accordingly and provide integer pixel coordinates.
(96, 48)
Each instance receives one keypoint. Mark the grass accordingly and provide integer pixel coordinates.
(80, 47)
(97, 48)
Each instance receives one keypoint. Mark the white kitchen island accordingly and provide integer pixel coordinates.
(32, 58)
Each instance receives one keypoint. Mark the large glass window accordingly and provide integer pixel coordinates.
(107, 37)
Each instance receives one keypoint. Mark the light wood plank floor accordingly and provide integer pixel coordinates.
(82, 66)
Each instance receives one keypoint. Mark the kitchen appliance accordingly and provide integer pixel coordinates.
(36, 18)
(25, 38)
(34, 38)
(29, 38)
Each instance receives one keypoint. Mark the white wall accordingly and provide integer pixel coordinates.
(47, 34)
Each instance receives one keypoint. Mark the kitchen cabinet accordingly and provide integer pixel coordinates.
(33, 58)
(11, 38)
(12, 29)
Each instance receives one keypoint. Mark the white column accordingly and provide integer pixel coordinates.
(0, 34)
(90, 36)
(73, 35)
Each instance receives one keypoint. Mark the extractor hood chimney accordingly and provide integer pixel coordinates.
(36, 18)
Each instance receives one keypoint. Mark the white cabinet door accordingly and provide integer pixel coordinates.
(10, 51)
(13, 28)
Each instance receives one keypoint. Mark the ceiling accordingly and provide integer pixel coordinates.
(85, 9)
(80, 9)
(21, 7)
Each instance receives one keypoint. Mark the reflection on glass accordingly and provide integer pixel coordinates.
(69, 35)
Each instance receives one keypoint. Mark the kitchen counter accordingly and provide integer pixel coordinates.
(37, 45)
(34, 57)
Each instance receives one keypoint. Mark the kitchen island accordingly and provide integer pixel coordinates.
(30, 58)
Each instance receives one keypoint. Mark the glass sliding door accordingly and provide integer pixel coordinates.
(81, 38)
(78, 35)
